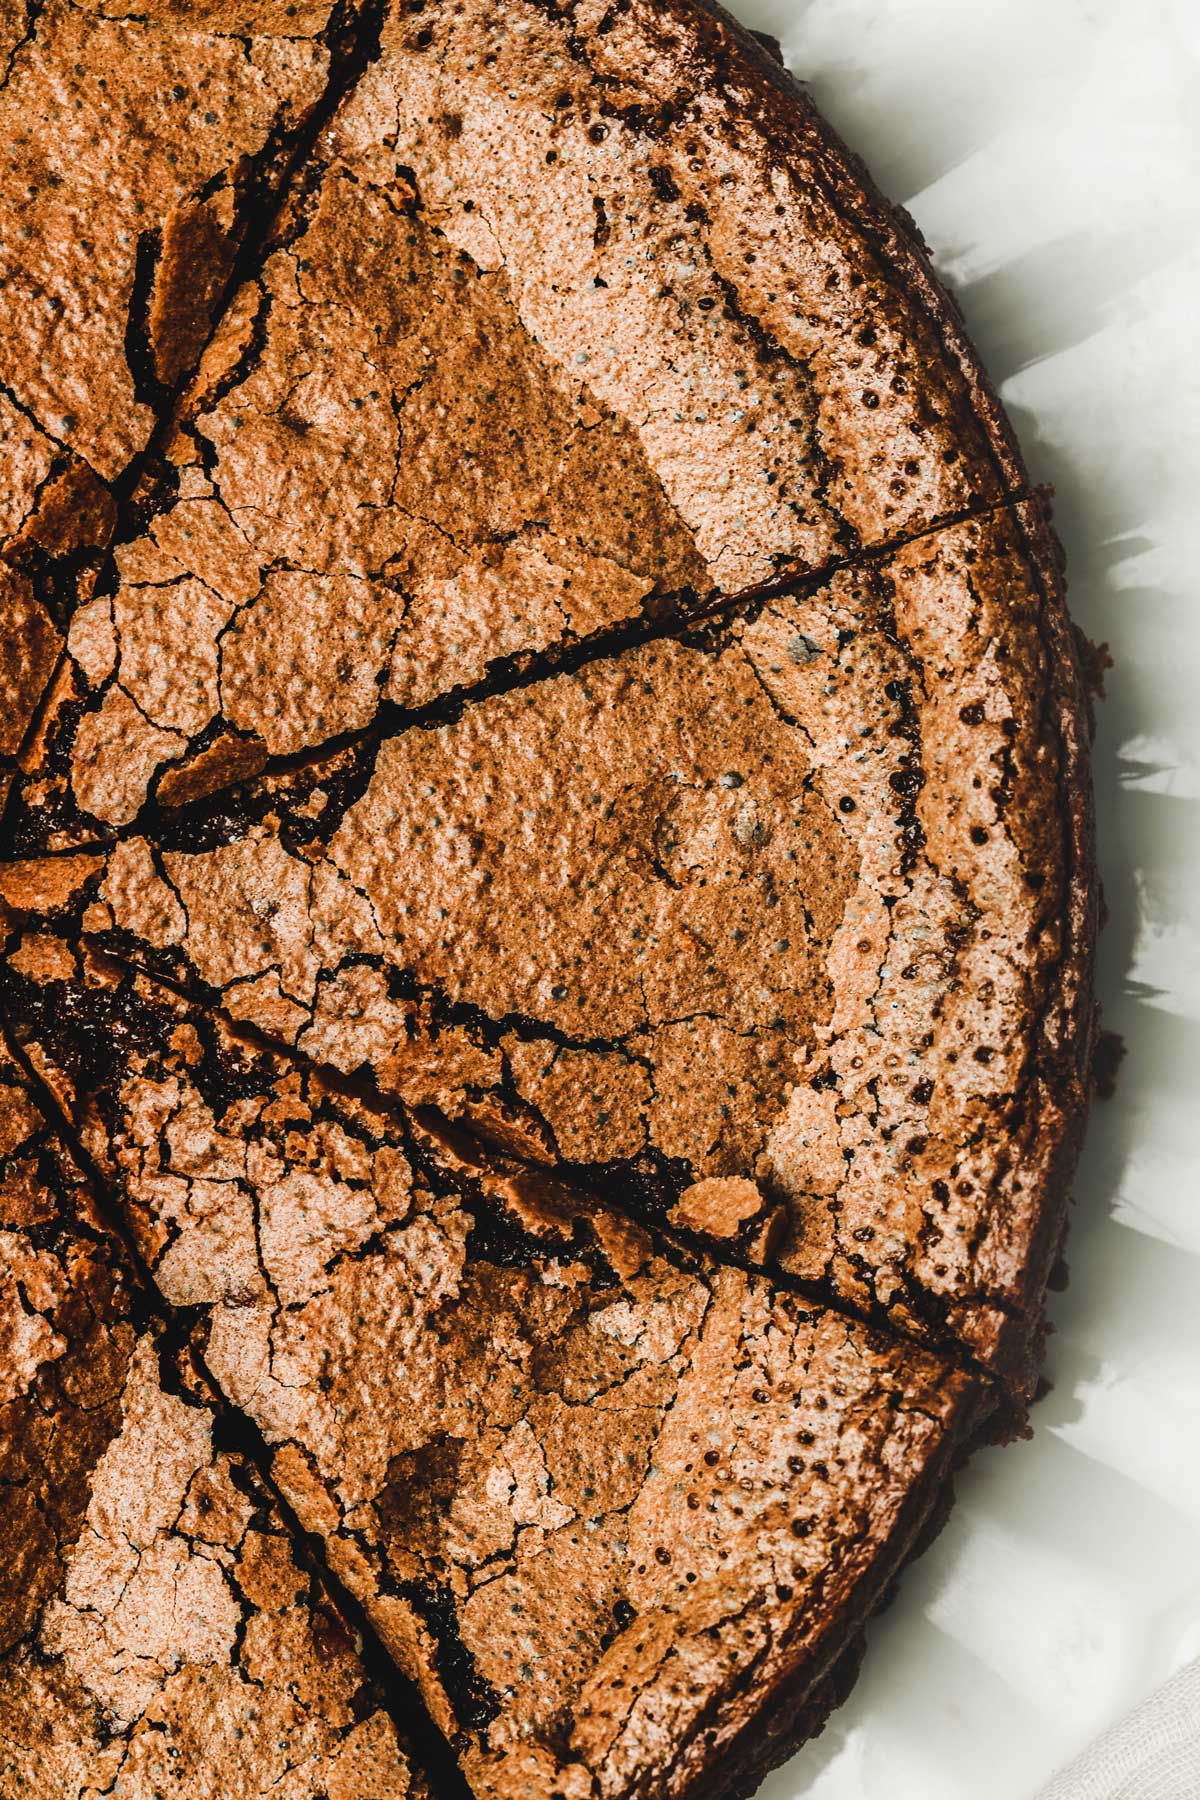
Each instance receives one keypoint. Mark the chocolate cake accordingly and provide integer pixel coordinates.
(546, 902)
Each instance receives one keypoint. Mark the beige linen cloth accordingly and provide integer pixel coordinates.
(1154, 1754)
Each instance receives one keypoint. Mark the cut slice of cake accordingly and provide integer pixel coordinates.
(157, 1633)
(780, 931)
(615, 1512)
(141, 145)
(546, 344)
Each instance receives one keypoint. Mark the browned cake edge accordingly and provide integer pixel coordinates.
(1067, 1029)
(798, 1706)
(789, 115)
(1062, 1081)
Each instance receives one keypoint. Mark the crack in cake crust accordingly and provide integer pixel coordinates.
(219, 760)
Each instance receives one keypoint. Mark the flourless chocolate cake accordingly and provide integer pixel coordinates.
(546, 902)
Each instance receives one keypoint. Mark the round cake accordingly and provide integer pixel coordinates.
(547, 902)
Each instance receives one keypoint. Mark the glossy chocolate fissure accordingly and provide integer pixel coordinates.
(244, 740)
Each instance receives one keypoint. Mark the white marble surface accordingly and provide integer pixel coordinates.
(1050, 151)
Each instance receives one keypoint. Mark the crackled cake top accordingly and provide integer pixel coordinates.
(545, 874)
(587, 1495)
(781, 903)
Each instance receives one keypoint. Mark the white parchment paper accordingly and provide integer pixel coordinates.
(1050, 151)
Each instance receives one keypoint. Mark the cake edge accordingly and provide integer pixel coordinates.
(1068, 1028)
(788, 112)
(797, 1706)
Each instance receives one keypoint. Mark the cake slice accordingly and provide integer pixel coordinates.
(622, 1516)
(779, 932)
(568, 325)
(141, 146)
(157, 1633)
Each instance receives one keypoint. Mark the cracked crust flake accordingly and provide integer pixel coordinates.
(603, 1506)
(156, 1630)
(798, 916)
